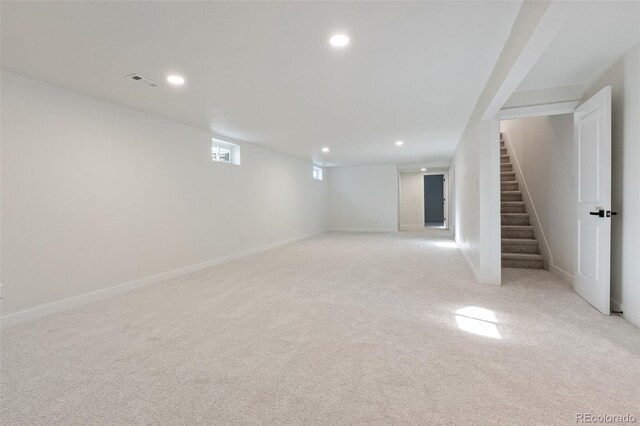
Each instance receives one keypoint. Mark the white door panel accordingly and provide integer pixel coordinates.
(589, 240)
(592, 128)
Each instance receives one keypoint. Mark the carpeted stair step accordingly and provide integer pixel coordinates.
(512, 207)
(522, 260)
(511, 196)
(507, 176)
(509, 186)
(517, 231)
(519, 245)
(514, 219)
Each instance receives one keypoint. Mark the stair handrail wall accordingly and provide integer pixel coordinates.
(538, 232)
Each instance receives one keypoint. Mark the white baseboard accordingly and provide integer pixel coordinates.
(632, 316)
(63, 305)
(479, 278)
(470, 264)
(362, 230)
(411, 227)
(561, 273)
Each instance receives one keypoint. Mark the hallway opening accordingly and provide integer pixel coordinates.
(424, 198)
(434, 201)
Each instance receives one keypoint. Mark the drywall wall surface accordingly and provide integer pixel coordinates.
(363, 198)
(411, 200)
(96, 195)
(476, 197)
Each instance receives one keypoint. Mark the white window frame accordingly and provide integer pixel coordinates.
(317, 173)
(225, 152)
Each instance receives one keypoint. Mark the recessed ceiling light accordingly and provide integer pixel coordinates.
(399, 143)
(325, 149)
(175, 79)
(423, 169)
(339, 40)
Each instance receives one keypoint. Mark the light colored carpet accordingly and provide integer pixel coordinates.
(338, 329)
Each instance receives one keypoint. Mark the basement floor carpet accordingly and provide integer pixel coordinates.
(338, 329)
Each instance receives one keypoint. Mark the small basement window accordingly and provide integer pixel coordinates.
(225, 152)
(317, 173)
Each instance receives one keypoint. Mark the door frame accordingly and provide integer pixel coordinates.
(538, 110)
(548, 110)
(541, 110)
(445, 192)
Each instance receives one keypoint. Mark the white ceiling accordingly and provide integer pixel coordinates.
(264, 72)
(595, 35)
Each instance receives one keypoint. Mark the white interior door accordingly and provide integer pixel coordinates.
(592, 130)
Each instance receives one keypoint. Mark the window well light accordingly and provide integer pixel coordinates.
(325, 149)
(175, 79)
(399, 143)
(339, 40)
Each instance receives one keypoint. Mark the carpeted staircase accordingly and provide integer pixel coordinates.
(519, 245)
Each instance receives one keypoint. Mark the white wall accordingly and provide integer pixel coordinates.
(476, 160)
(624, 78)
(543, 150)
(96, 195)
(363, 198)
(411, 200)
(476, 166)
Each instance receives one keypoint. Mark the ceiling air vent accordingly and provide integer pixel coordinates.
(143, 80)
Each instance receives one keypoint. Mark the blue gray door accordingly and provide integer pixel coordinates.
(434, 200)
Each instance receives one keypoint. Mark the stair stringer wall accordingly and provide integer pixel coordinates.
(538, 232)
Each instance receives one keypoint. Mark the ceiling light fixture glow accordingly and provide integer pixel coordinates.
(339, 40)
(399, 143)
(175, 79)
(423, 169)
(325, 149)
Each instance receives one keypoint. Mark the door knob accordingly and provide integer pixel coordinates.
(603, 213)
